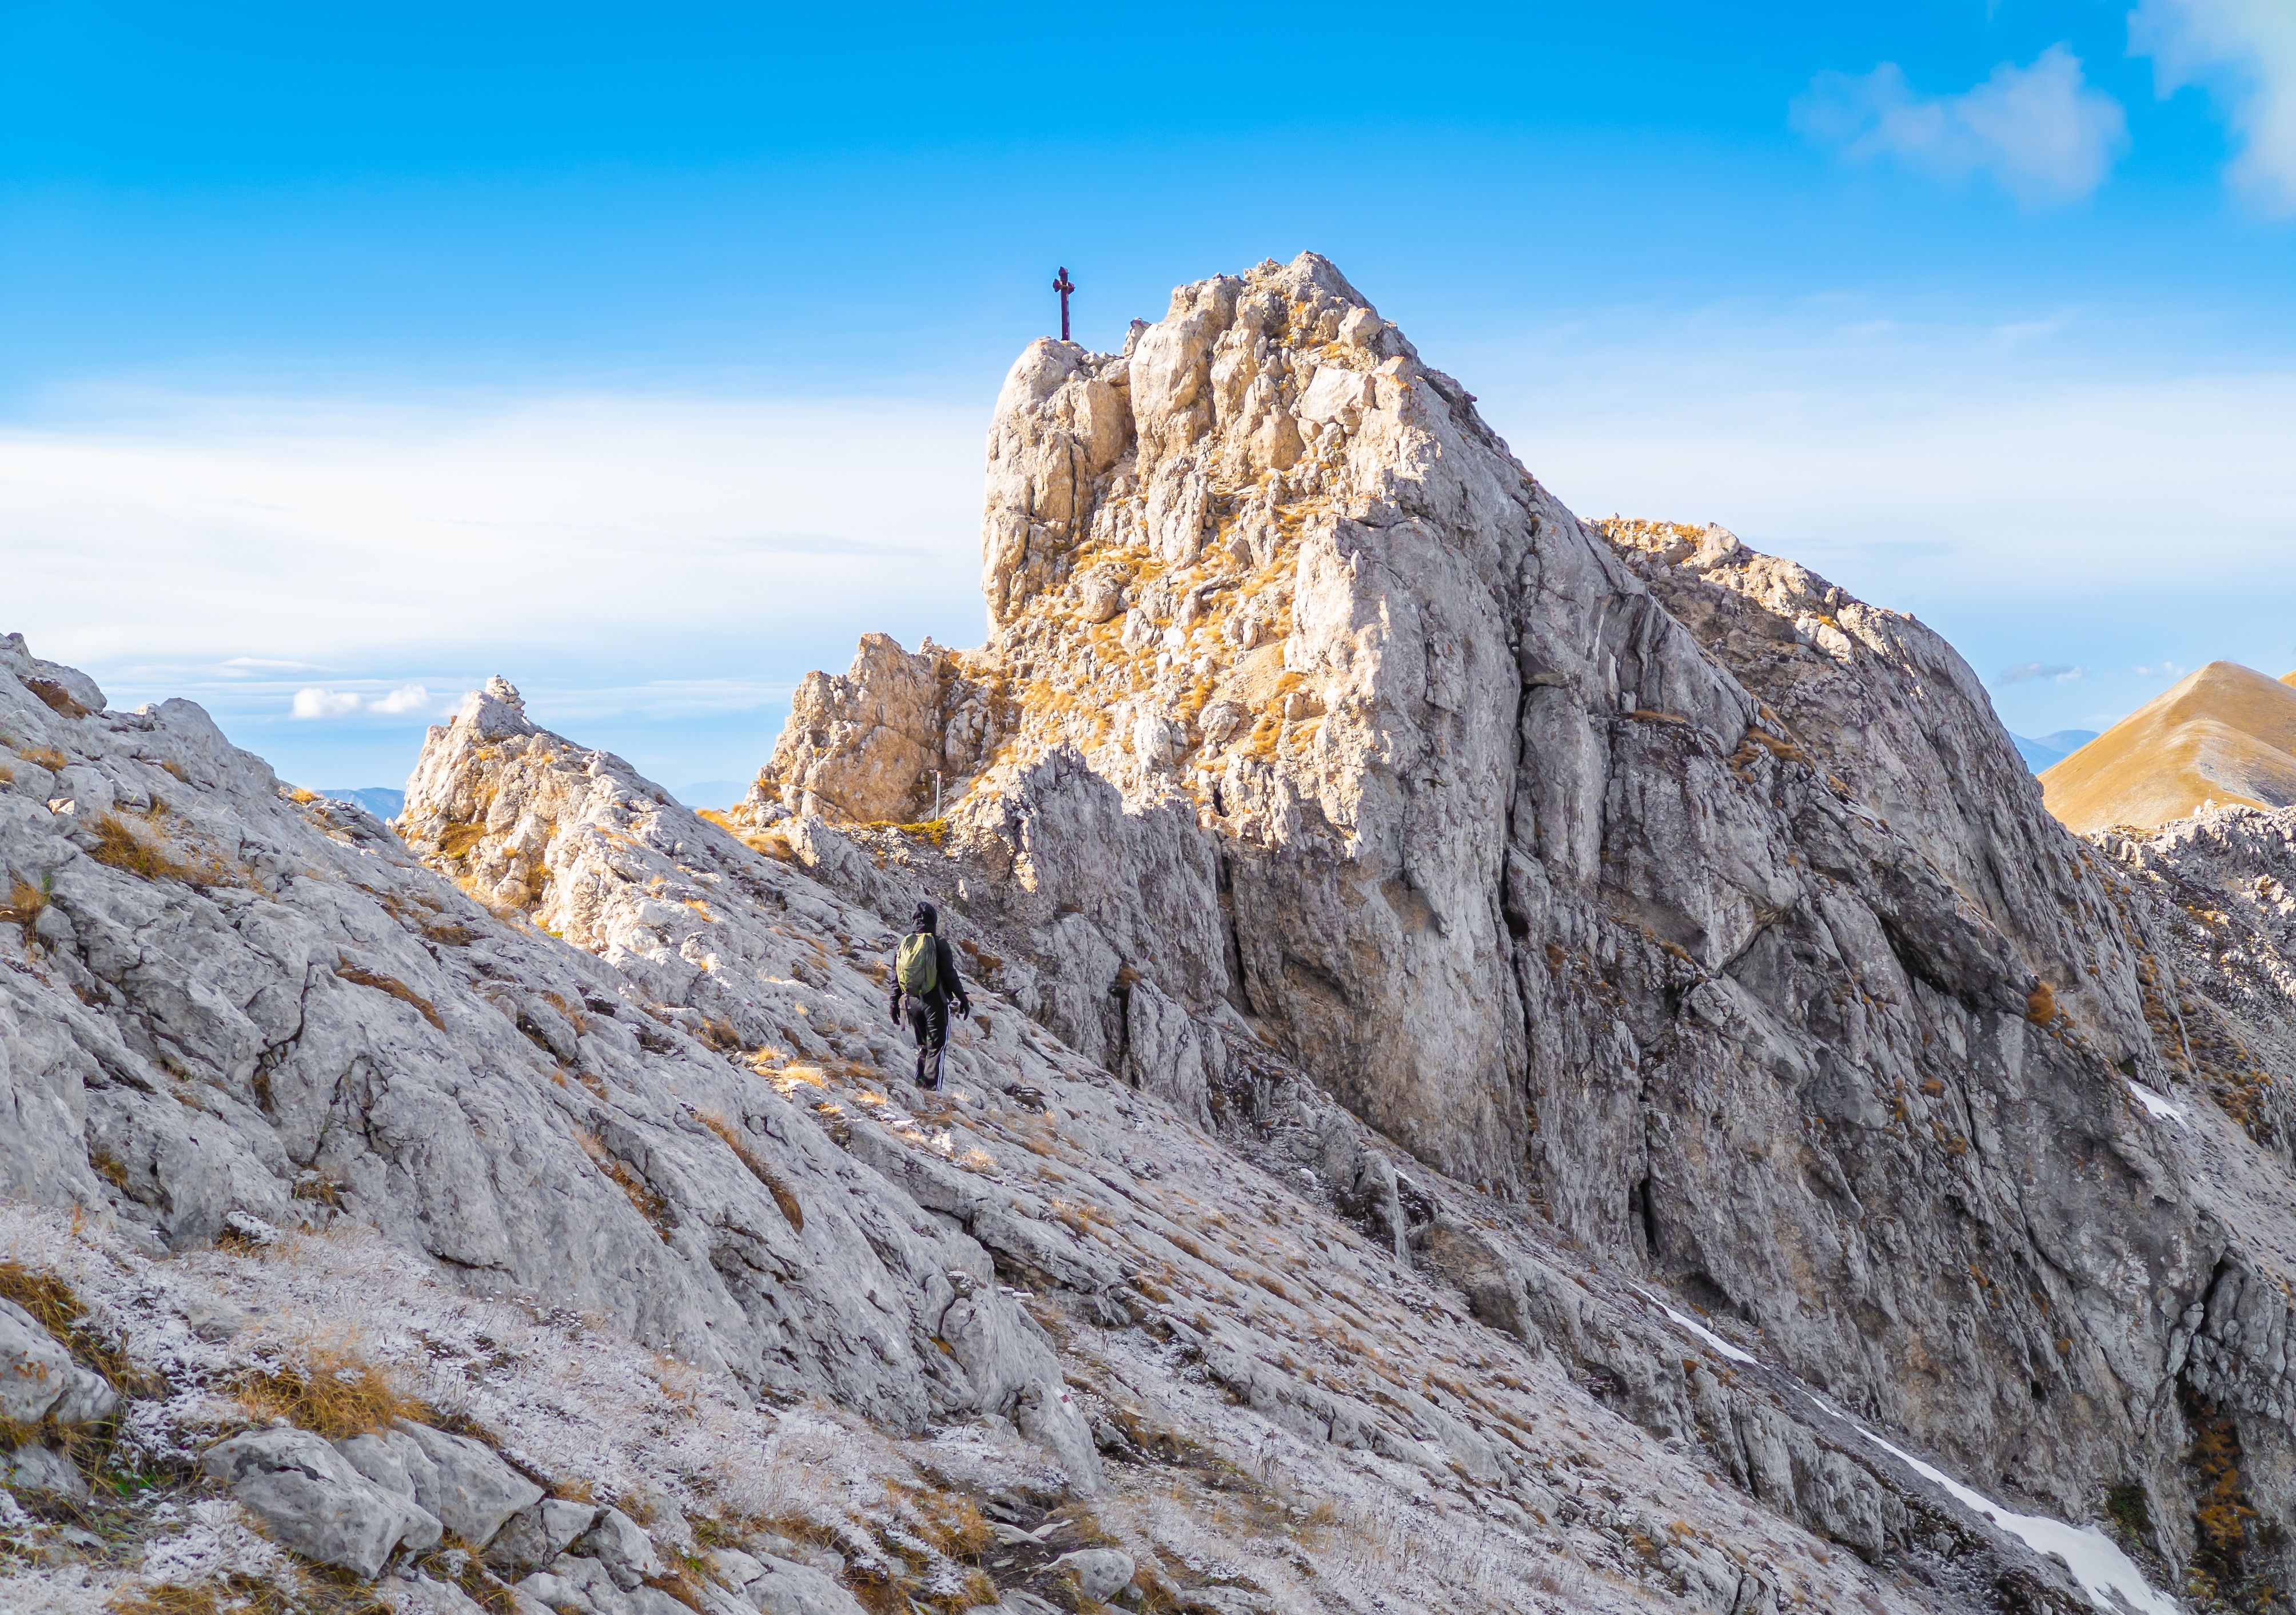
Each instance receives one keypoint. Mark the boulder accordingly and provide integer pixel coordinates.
(312, 1500)
(470, 1490)
(621, 1545)
(1101, 1573)
(34, 1468)
(587, 1588)
(39, 1379)
(539, 1533)
(787, 1588)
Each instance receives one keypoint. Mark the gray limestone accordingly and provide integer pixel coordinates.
(311, 1499)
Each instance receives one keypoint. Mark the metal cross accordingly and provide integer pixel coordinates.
(1063, 287)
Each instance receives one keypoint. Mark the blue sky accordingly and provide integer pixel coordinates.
(347, 355)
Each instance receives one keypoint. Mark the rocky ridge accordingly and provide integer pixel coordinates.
(1651, 884)
(305, 1107)
(1508, 1049)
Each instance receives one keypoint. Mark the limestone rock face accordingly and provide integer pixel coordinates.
(1525, 1029)
(315, 1501)
(1614, 867)
(865, 747)
(573, 1045)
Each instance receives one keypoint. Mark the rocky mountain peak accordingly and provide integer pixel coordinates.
(2224, 735)
(1614, 867)
(1519, 1063)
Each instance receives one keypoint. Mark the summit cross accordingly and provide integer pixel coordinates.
(1063, 285)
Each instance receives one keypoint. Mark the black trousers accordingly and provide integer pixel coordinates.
(929, 1025)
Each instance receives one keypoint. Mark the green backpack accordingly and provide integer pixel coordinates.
(915, 967)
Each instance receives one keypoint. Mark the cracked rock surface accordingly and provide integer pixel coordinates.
(1505, 1049)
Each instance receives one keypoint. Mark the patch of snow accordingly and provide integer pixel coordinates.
(2108, 1576)
(2154, 1105)
(1700, 1331)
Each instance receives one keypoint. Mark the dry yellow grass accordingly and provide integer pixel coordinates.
(2225, 734)
(235, 1596)
(54, 1302)
(393, 986)
(144, 855)
(46, 756)
(783, 1195)
(457, 839)
(648, 1200)
(332, 1391)
(25, 902)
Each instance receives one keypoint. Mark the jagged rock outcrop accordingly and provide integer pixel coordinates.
(1641, 880)
(600, 1055)
(1528, 1032)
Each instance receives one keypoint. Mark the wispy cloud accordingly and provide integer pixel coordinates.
(2026, 670)
(323, 704)
(2160, 669)
(2042, 131)
(354, 548)
(318, 701)
(2243, 53)
(406, 698)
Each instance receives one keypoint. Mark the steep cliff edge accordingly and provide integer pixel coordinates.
(1653, 887)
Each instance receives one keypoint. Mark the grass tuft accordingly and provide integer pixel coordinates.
(456, 840)
(122, 846)
(648, 1200)
(59, 1310)
(332, 1391)
(25, 902)
(392, 986)
(236, 1594)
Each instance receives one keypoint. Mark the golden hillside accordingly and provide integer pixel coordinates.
(2225, 734)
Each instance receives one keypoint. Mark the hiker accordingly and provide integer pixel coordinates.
(924, 972)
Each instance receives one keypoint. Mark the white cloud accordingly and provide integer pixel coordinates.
(406, 698)
(2025, 670)
(324, 703)
(2243, 53)
(2164, 670)
(2040, 131)
(413, 546)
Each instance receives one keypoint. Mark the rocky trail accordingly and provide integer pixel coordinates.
(1519, 1065)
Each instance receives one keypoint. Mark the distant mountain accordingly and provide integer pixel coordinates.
(713, 793)
(2227, 734)
(379, 800)
(2052, 749)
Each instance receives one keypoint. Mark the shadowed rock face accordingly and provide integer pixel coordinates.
(1622, 871)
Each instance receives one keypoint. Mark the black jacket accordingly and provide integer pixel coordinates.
(949, 987)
